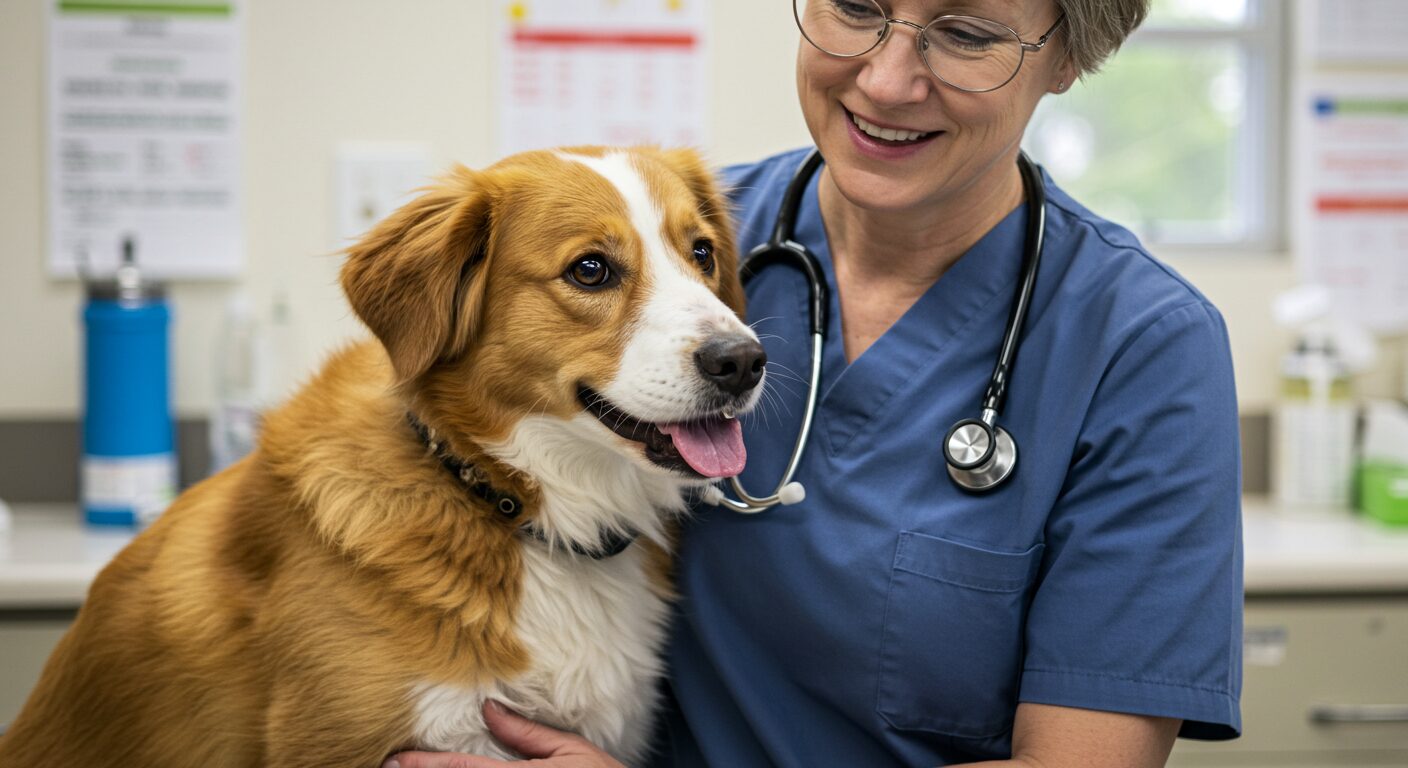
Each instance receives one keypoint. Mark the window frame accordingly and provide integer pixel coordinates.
(1260, 179)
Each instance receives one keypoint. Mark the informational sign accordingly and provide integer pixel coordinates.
(143, 136)
(1355, 237)
(601, 72)
(1358, 31)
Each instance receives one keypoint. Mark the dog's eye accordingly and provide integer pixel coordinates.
(704, 255)
(590, 271)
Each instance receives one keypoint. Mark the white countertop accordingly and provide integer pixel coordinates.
(48, 557)
(1320, 551)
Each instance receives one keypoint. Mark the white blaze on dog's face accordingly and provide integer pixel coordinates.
(592, 288)
(688, 365)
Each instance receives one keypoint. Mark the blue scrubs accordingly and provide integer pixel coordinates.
(893, 619)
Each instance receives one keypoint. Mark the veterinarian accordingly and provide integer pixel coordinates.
(1085, 610)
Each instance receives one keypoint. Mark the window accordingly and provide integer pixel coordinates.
(1178, 136)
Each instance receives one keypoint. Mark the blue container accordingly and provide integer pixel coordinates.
(129, 457)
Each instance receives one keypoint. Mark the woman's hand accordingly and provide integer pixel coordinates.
(542, 745)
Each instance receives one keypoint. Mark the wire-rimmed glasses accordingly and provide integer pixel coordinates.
(969, 53)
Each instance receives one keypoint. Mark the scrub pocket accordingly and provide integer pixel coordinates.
(951, 648)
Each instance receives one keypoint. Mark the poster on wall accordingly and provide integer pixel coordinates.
(1357, 31)
(142, 144)
(601, 72)
(1354, 196)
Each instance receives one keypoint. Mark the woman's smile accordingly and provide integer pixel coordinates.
(885, 143)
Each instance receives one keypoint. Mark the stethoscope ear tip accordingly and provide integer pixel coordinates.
(712, 496)
(792, 493)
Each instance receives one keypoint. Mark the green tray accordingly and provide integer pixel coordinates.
(1383, 492)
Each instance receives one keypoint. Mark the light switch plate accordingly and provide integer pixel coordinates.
(374, 178)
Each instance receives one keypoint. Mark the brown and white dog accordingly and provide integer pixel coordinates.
(429, 523)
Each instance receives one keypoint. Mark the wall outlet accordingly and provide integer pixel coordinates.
(374, 179)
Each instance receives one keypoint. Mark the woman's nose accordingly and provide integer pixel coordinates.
(894, 73)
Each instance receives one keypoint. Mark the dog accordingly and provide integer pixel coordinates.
(477, 503)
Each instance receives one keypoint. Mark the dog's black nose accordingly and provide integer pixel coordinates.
(733, 363)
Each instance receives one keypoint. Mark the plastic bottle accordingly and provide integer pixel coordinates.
(242, 385)
(129, 453)
(1315, 420)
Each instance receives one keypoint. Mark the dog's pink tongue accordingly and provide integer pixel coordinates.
(714, 448)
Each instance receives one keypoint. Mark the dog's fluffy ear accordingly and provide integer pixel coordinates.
(415, 278)
(714, 205)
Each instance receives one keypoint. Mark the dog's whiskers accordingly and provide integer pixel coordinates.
(770, 400)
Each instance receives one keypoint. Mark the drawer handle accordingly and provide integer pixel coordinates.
(1358, 713)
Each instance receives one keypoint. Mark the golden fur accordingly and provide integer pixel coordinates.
(278, 612)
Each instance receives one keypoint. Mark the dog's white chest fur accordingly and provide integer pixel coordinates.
(593, 630)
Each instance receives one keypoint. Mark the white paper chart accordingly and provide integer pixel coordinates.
(601, 72)
(1359, 31)
(143, 136)
(1356, 197)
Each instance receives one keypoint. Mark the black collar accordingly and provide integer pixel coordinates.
(508, 505)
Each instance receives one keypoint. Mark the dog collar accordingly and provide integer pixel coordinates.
(476, 482)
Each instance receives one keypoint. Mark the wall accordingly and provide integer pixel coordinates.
(318, 72)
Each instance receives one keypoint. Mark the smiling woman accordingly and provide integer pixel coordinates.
(1096, 592)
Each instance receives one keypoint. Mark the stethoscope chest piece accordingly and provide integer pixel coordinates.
(979, 457)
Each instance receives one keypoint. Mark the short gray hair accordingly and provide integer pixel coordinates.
(1095, 29)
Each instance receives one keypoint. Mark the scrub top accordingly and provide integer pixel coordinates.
(894, 619)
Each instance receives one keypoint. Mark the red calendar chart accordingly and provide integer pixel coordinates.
(622, 72)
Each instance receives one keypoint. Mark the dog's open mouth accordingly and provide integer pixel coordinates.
(707, 447)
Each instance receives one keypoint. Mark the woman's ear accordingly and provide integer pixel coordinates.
(416, 278)
(1064, 77)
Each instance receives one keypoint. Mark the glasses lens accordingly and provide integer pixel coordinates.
(970, 53)
(840, 27)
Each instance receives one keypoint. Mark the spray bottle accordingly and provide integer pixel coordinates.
(1314, 461)
(241, 368)
(254, 362)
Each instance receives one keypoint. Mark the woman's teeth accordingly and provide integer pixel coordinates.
(888, 134)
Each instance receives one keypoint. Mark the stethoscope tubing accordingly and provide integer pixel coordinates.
(994, 464)
(996, 394)
(749, 505)
(781, 247)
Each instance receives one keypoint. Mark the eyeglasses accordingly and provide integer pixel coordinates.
(968, 53)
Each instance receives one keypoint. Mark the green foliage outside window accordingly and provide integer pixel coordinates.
(1158, 140)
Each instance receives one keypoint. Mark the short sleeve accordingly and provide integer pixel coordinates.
(1138, 607)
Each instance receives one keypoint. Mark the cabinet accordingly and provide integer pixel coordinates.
(26, 639)
(1325, 683)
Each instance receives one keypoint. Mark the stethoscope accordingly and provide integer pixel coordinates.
(979, 453)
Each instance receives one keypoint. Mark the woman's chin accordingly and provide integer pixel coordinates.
(880, 192)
